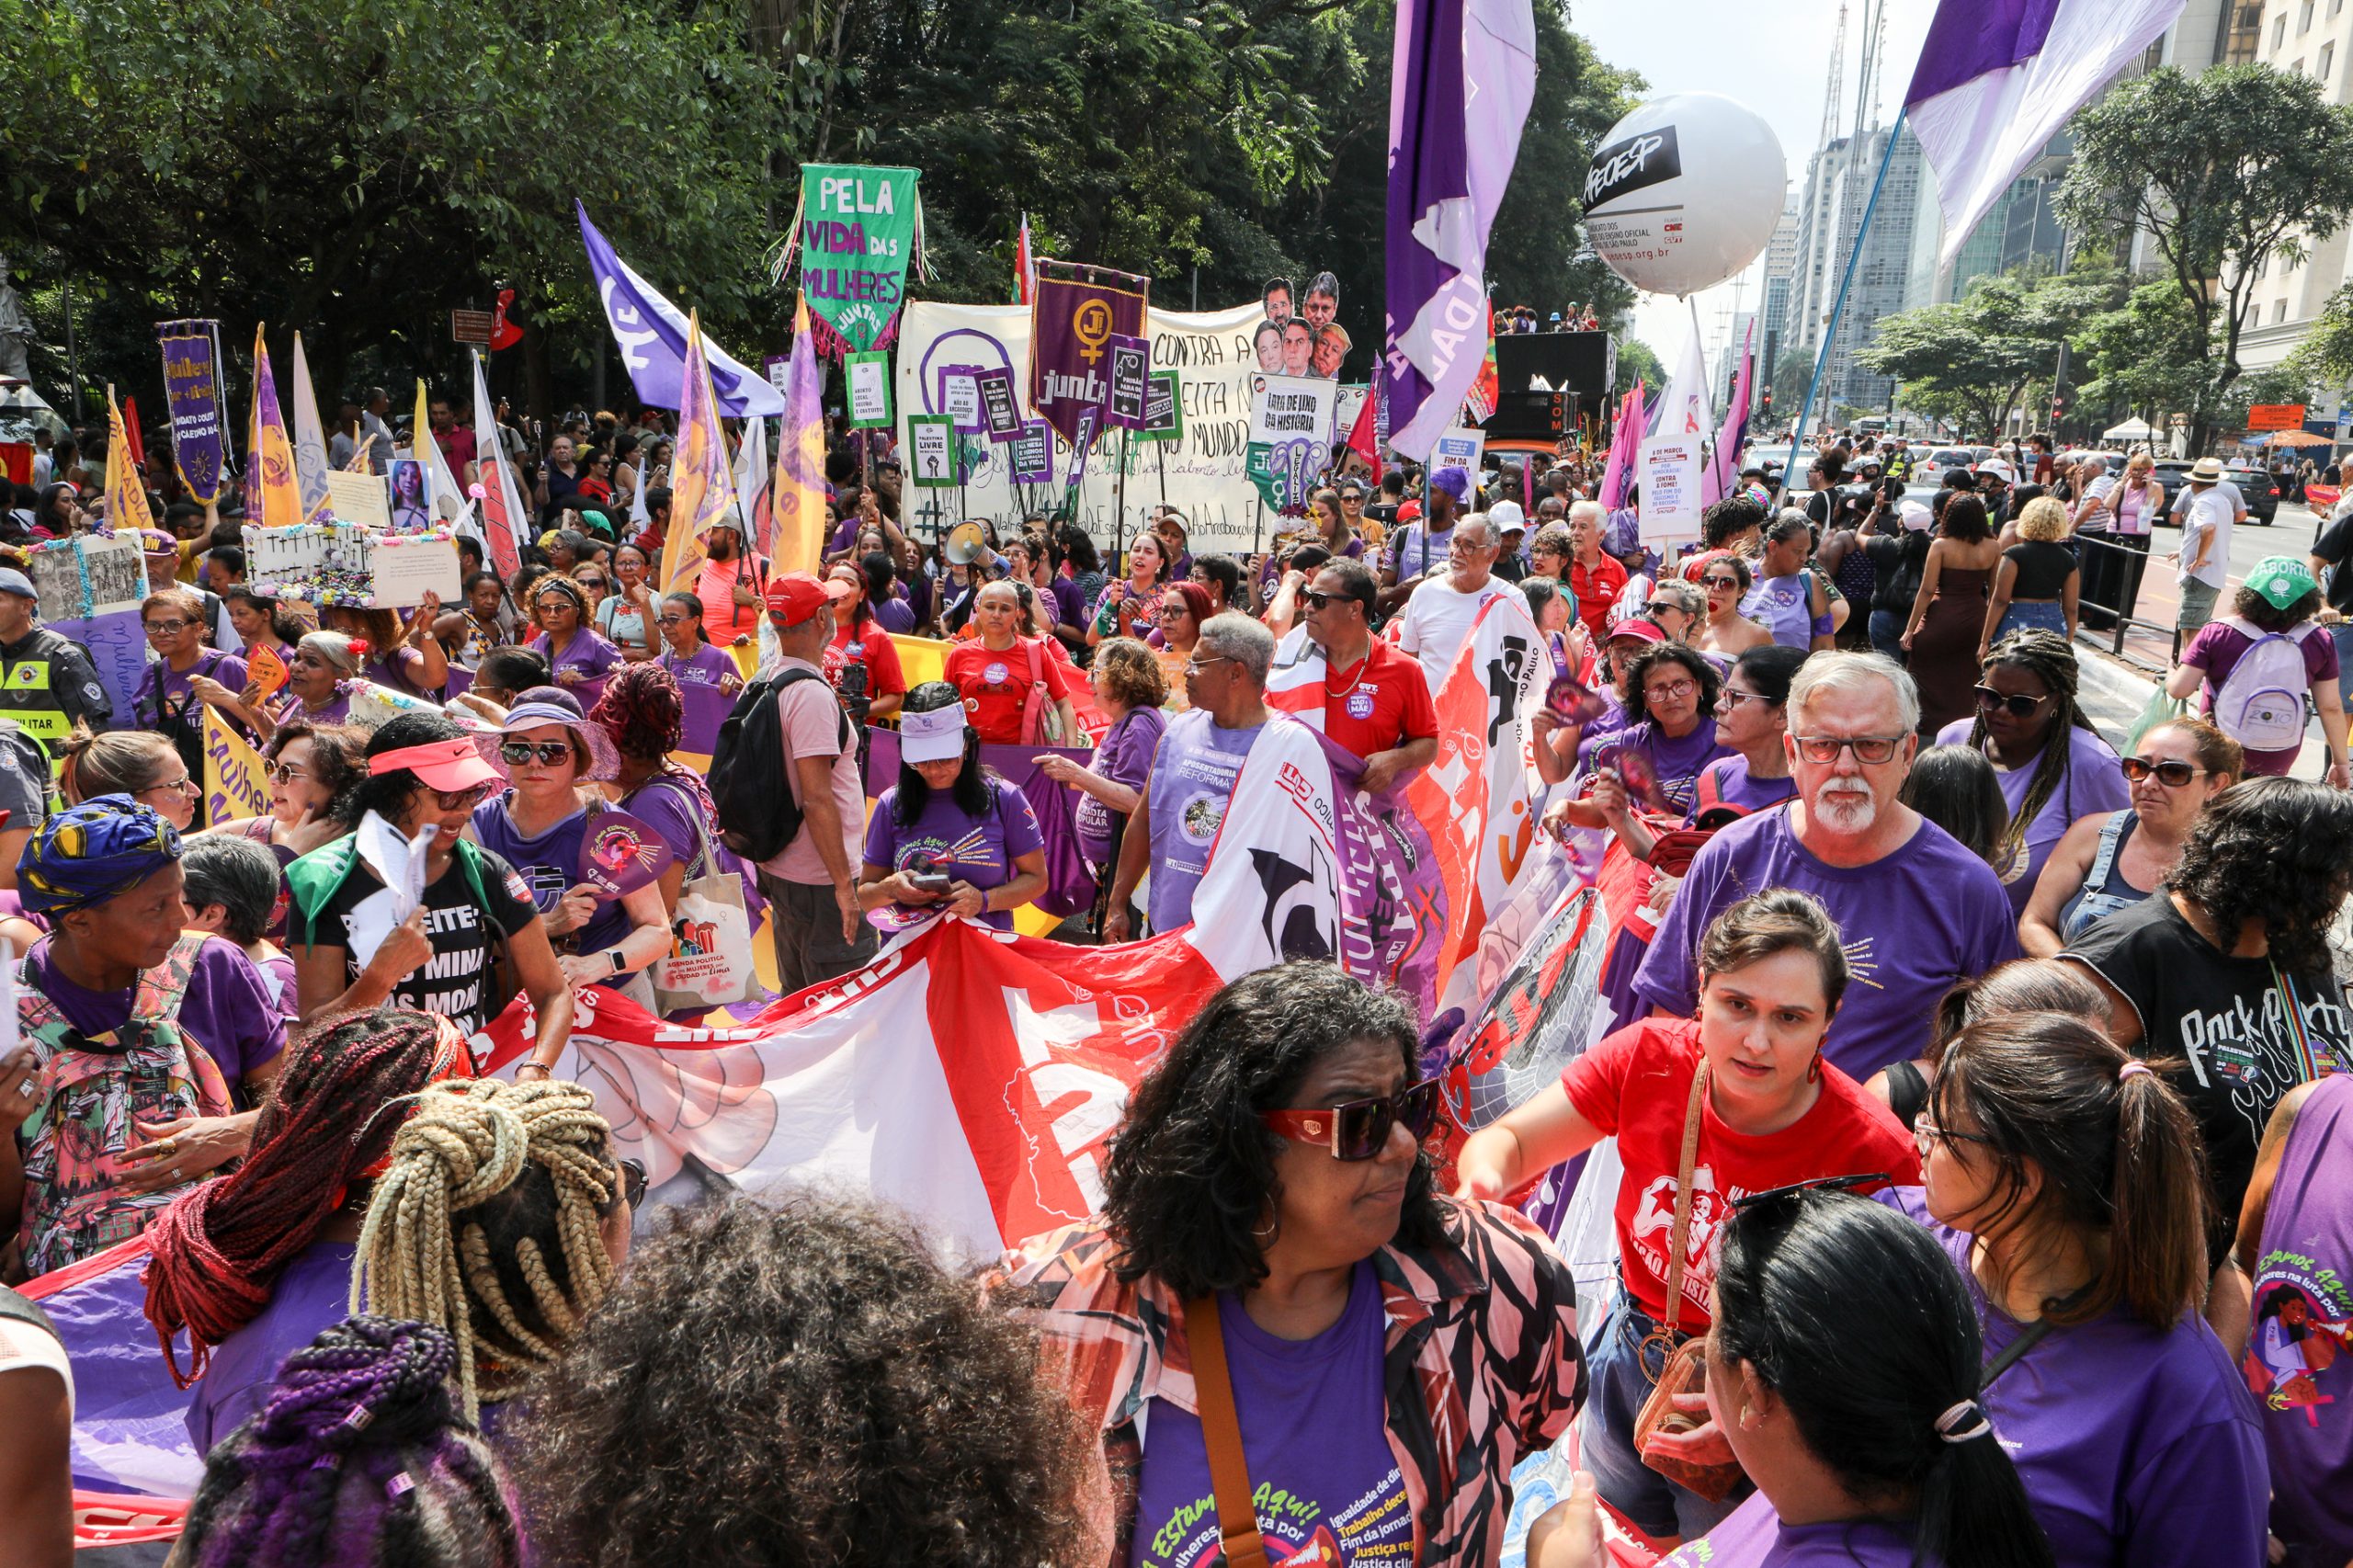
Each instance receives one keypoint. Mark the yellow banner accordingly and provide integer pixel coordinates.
(234, 783)
(920, 658)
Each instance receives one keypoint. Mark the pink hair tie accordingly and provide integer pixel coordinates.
(2132, 1067)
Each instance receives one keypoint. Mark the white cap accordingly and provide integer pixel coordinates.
(1915, 515)
(932, 736)
(1506, 516)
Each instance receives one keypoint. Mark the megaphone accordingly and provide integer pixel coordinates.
(966, 544)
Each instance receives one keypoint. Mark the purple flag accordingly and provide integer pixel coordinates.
(1723, 469)
(193, 395)
(1465, 75)
(1625, 444)
(129, 1418)
(1998, 78)
(651, 333)
(1072, 325)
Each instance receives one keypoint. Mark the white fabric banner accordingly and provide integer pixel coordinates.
(1201, 474)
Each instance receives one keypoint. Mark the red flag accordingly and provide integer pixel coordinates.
(1023, 268)
(130, 434)
(1360, 436)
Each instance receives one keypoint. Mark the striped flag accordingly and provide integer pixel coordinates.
(502, 505)
(701, 489)
(797, 500)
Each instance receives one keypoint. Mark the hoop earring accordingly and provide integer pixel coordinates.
(1264, 1234)
(1814, 1068)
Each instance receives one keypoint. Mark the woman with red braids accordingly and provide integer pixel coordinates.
(252, 1265)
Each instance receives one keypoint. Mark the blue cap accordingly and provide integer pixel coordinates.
(15, 582)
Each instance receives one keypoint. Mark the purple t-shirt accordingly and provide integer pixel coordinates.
(2137, 1445)
(1783, 606)
(710, 665)
(230, 1007)
(1314, 1420)
(1753, 1536)
(1192, 781)
(226, 668)
(1070, 605)
(1675, 762)
(667, 806)
(1733, 785)
(2095, 783)
(2298, 1361)
(1125, 757)
(1914, 922)
(587, 655)
(2217, 650)
(313, 1293)
(292, 709)
(548, 865)
(980, 852)
(897, 615)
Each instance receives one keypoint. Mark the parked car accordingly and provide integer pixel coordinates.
(1930, 469)
(2171, 473)
(2262, 493)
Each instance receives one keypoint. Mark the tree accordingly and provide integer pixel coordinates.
(1970, 361)
(2224, 170)
(2325, 356)
(1637, 363)
(1789, 379)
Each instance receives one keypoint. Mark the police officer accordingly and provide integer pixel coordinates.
(47, 685)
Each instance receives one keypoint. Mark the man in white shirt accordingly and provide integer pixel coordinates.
(2207, 509)
(1438, 617)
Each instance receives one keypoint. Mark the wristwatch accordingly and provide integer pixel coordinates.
(619, 960)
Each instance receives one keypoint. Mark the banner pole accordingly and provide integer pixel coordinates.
(1160, 461)
(1839, 309)
(1120, 485)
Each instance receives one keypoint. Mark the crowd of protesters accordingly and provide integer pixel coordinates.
(1978, 1087)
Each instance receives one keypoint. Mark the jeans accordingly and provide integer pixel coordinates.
(2196, 605)
(2041, 615)
(1887, 633)
(807, 930)
(1605, 1438)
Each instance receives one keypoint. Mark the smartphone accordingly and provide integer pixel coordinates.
(931, 882)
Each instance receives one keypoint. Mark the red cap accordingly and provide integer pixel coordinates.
(1638, 628)
(1411, 512)
(795, 597)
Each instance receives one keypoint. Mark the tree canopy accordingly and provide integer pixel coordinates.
(1970, 361)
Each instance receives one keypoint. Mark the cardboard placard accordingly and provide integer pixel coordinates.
(1130, 377)
(408, 567)
(931, 450)
(1459, 446)
(1033, 453)
(1163, 408)
(1000, 409)
(360, 498)
(90, 574)
(961, 395)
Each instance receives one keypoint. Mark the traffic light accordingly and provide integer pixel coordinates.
(2058, 404)
(1769, 399)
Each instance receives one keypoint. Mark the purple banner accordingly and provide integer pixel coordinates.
(704, 709)
(651, 333)
(130, 1426)
(192, 395)
(117, 644)
(1070, 887)
(1388, 880)
(1071, 328)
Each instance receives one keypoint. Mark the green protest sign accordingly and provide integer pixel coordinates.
(1164, 409)
(859, 227)
(931, 450)
(868, 376)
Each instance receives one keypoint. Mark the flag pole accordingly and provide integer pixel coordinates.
(1838, 307)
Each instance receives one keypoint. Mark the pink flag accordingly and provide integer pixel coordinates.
(1724, 468)
(1625, 448)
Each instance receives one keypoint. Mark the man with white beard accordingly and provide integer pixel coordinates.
(1918, 911)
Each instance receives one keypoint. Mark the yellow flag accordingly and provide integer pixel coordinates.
(798, 497)
(702, 490)
(126, 496)
(273, 496)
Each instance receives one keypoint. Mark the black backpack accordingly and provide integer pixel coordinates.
(757, 815)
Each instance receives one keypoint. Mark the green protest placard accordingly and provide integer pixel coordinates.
(931, 450)
(1164, 409)
(858, 230)
(868, 376)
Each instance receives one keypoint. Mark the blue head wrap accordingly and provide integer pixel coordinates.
(87, 854)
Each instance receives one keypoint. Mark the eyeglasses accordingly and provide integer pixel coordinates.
(1671, 691)
(167, 627)
(1926, 1134)
(1173, 612)
(632, 1174)
(2171, 774)
(518, 754)
(1359, 1128)
(282, 773)
(597, 582)
(1195, 666)
(2019, 706)
(183, 785)
(1869, 750)
(1729, 698)
(463, 800)
(670, 620)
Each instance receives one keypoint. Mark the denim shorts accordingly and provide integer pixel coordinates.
(2043, 615)
(1621, 1383)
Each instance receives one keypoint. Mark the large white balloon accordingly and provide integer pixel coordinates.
(1685, 192)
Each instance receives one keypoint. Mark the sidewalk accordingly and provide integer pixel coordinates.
(2113, 691)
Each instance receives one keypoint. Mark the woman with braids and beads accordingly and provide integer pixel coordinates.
(360, 1459)
(2062, 1179)
(502, 1217)
(2055, 770)
(1842, 1371)
(255, 1263)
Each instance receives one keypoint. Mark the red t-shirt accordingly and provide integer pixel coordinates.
(995, 685)
(870, 645)
(1596, 591)
(1380, 702)
(1637, 1083)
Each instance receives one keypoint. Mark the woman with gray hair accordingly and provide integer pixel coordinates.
(318, 689)
(1200, 756)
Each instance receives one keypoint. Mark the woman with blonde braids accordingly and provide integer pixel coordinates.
(502, 1217)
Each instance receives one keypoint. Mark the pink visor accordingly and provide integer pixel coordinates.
(440, 765)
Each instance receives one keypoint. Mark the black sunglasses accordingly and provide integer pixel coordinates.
(2020, 707)
(518, 754)
(1358, 1129)
(2173, 772)
(633, 1181)
(1318, 600)
(1828, 1184)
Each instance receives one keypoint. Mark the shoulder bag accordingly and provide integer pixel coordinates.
(1685, 1369)
(1238, 1508)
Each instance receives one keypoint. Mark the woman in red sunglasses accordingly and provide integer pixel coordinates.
(1275, 1275)
(1705, 1111)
